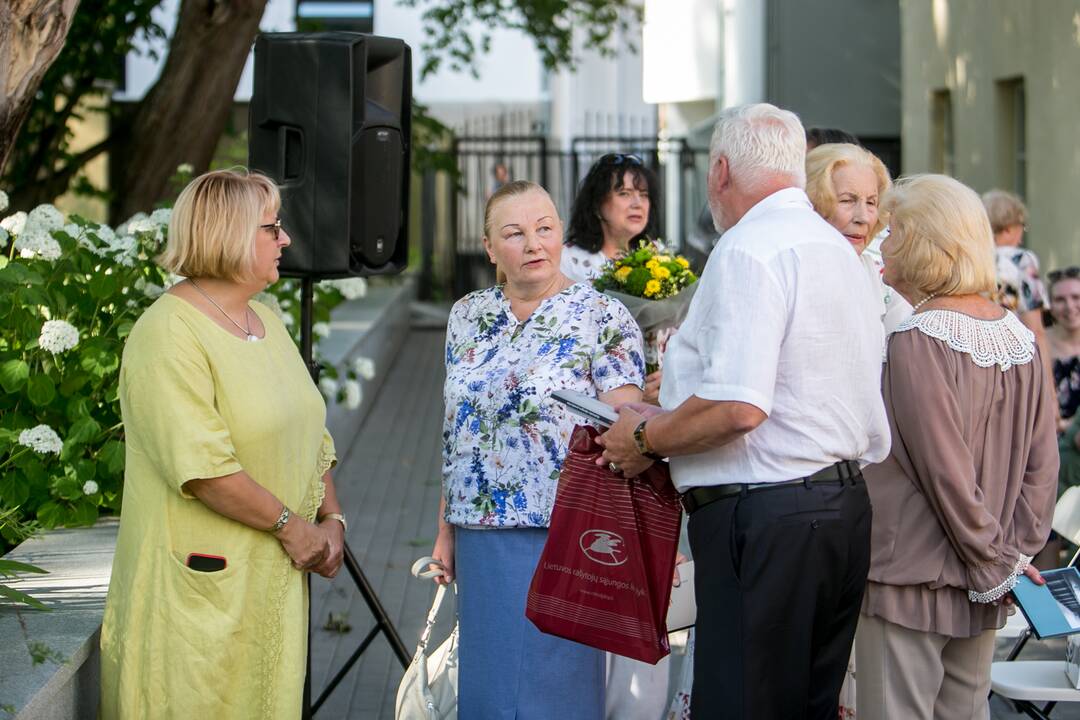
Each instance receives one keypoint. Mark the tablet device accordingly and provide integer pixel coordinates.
(1052, 609)
(587, 407)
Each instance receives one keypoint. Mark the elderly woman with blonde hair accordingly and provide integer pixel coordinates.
(846, 184)
(966, 496)
(228, 499)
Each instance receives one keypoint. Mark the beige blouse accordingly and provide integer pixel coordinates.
(966, 496)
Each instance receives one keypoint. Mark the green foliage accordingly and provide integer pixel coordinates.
(550, 23)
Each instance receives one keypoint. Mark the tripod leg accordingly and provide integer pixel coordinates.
(381, 618)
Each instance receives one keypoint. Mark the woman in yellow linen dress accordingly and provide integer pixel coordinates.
(227, 456)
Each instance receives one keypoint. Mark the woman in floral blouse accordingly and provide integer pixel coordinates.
(504, 439)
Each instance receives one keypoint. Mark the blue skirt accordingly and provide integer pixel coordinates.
(508, 669)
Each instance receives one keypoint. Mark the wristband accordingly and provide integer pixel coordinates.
(641, 442)
(336, 516)
(282, 520)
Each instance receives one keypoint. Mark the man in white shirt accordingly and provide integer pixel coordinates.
(772, 404)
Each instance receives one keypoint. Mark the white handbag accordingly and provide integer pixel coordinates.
(428, 690)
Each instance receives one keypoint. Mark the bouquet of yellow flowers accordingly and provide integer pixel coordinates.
(656, 287)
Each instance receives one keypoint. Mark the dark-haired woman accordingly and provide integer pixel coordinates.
(616, 206)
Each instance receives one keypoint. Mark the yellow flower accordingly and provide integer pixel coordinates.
(652, 264)
(622, 273)
(660, 272)
(652, 287)
(664, 258)
(682, 261)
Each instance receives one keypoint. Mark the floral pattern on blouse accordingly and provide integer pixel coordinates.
(1067, 381)
(504, 438)
(580, 265)
(1019, 288)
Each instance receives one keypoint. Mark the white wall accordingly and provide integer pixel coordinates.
(681, 50)
(510, 73)
(142, 70)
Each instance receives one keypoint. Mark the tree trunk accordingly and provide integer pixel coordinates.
(185, 113)
(32, 32)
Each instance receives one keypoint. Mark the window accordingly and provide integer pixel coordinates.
(942, 149)
(1012, 135)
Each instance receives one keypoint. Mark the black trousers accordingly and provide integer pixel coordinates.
(779, 579)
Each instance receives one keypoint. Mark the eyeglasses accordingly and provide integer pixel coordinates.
(274, 228)
(619, 159)
(1072, 272)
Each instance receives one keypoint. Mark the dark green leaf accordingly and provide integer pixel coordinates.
(102, 286)
(52, 514)
(10, 567)
(41, 390)
(14, 489)
(112, 454)
(20, 598)
(13, 374)
(16, 273)
(83, 431)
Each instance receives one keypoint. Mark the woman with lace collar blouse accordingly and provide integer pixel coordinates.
(966, 496)
(508, 348)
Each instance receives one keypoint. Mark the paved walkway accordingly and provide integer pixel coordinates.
(388, 482)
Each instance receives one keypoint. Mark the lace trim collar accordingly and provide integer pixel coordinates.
(1005, 342)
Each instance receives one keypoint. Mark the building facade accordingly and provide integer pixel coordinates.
(991, 95)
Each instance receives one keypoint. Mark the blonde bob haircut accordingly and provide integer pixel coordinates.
(1004, 210)
(214, 224)
(822, 162)
(940, 239)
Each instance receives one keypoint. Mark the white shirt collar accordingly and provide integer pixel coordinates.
(788, 197)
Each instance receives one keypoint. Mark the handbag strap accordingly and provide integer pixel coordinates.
(433, 614)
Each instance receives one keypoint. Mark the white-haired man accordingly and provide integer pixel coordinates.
(772, 404)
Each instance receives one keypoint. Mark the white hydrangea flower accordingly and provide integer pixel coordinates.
(14, 224)
(350, 288)
(364, 367)
(185, 168)
(89, 487)
(152, 290)
(124, 249)
(270, 300)
(139, 222)
(45, 218)
(288, 320)
(3, 237)
(321, 329)
(37, 244)
(41, 439)
(161, 216)
(58, 336)
(3, 201)
(329, 387)
(353, 394)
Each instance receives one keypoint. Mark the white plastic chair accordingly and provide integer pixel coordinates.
(1033, 681)
(1027, 682)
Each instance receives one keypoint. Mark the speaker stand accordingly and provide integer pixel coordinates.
(383, 624)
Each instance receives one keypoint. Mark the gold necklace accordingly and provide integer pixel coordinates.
(250, 336)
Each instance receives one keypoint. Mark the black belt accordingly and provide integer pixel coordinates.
(698, 497)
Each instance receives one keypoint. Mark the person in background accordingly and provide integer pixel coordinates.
(616, 207)
(1063, 336)
(1019, 288)
(772, 404)
(823, 136)
(966, 496)
(508, 348)
(228, 459)
(846, 184)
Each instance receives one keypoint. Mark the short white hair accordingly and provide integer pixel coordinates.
(759, 141)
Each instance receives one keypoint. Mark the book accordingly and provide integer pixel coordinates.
(588, 407)
(1053, 609)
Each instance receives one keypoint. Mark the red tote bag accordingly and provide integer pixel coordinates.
(604, 576)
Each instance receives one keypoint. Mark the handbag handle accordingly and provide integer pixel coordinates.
(433, 614)
(418, 570)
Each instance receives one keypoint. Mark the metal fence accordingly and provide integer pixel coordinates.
(452, 214)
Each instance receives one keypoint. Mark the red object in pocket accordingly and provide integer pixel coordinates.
(604, 576)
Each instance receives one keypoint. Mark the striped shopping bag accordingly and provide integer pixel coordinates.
(604, 576)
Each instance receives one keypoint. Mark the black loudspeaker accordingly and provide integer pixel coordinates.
(330, 123)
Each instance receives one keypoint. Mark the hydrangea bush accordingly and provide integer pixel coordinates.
(70, 292)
